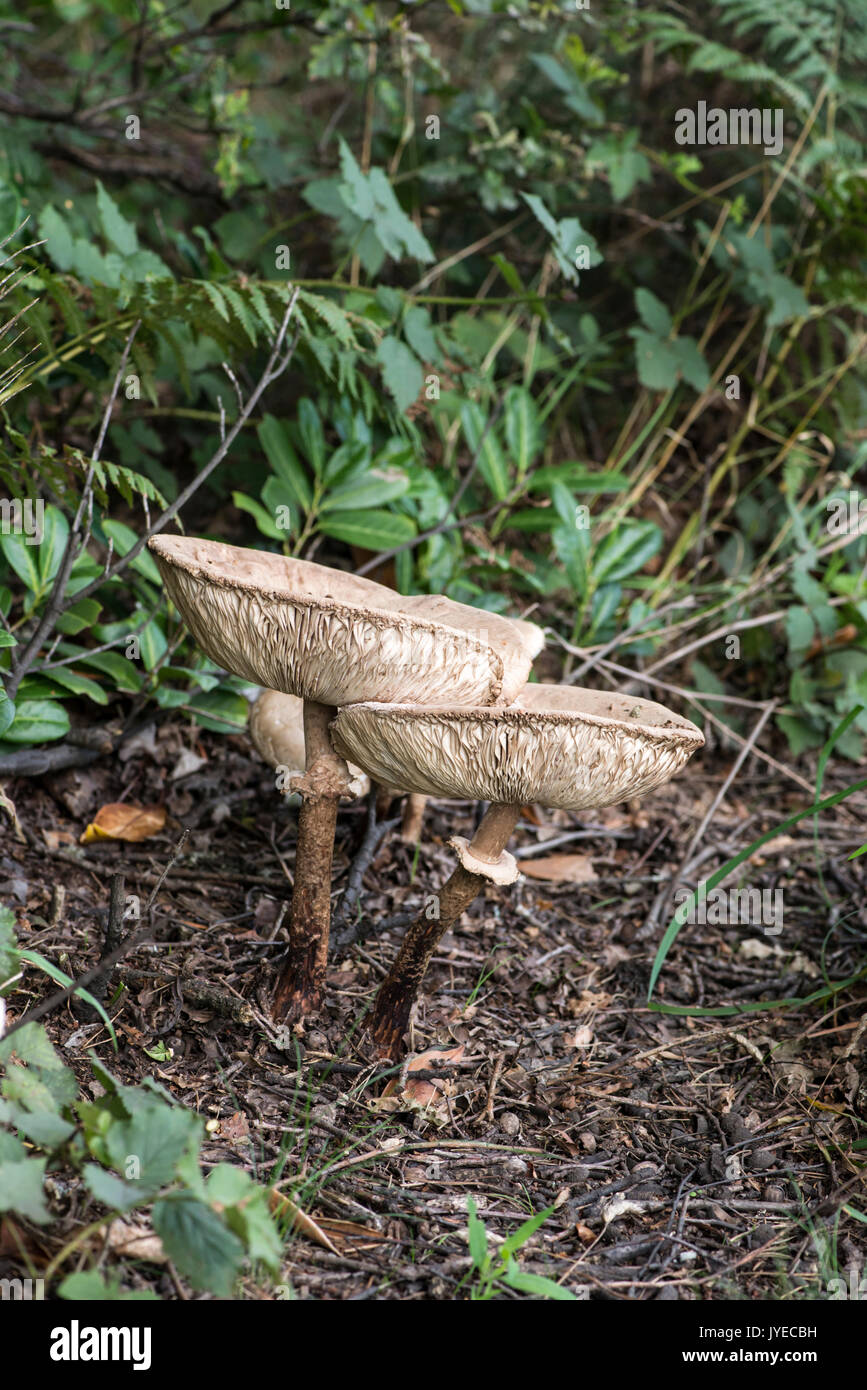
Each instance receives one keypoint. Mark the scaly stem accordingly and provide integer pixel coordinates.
(389, 1020)
(301, 983)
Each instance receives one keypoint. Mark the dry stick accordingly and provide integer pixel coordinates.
(389, 1019)
(301, 983)
(129, 944)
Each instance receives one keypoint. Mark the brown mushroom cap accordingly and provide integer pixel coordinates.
(277, 731)
(557, 745)
(334, 638)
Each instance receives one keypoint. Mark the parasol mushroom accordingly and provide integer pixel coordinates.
(333, 638)
(557, 746)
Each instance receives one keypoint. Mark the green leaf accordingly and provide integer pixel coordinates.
(263, 518)
(522, 427)
(7, 639)
(311, 434)
(37, 721)
(370, 490)
(8, 943)
(7, 712)
(401, 371)
(800, 629)
(492, 464)
(121, 233)
(375, 530)
(246, 1212)
(21, 1189)
(537, 1284)
(89, 1286)
(274, 438)
(78, 617)
(61, 978)
(201, 1246)
(121, 669)
(156, 1138)
(152, 644)
(222, 711)
(657, 361)
(478, 1236)
(37, 565)
(653, 313)
(625, 551)
(58, 238)
(419, 333)
(112, 1191)
(78, 685)
(124, 539)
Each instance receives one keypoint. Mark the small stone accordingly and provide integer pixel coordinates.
(509, 1123)
(587, 1141)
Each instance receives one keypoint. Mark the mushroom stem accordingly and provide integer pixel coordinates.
(413, 817)
(302, 979)
(389, 1019)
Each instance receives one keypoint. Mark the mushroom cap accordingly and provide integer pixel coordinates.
(557, 745)
(277, 731)
(302, 628)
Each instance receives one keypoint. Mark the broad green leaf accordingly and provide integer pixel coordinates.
(537, 1284)
(7, 712)
(263, 518)
(370, 490)
(401, 371)
(7, 639)
(656, 359)
(121, 233)
(222, 711)
(625, 551)
(21, 1189)
(311, 434)
(79, 685)
(124, 539)
(578, 477)
(122, 669)
(653, 313)
(37, 721)
(419, 333)
(374, 530)
(79, 617)
(492, 465)
(199, 1243)
(152, 644)
(522, 428)
(274, 438)
(347, 462)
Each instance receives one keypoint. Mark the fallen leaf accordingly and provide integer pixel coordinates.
(121, 820)
(560, 868)
(235, 1127)
(134, 1239)
(424, 1092)
(284, 1207)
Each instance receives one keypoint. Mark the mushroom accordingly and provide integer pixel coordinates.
(333, 638)
(557, 746)
(277, 731)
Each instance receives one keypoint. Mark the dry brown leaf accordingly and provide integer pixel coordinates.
(560, 868)
(235, 1127)
(284, 1207)
(121, 820)
(136, 1240)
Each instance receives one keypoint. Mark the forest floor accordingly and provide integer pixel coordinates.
(693, 1157)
